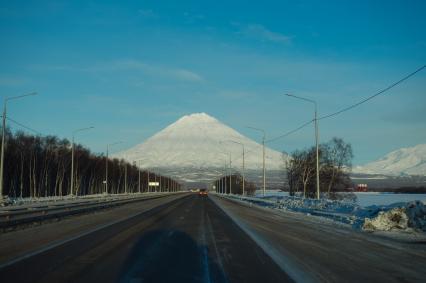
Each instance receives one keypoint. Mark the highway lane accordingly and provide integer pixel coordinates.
(188, 239)
(17, 243)
(316, 250)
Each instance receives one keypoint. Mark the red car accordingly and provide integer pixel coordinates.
(203, 192)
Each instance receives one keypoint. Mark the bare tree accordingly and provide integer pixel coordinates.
(335, 163)
(336, 158)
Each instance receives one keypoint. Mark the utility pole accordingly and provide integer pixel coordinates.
(106, 165)
(139, 180)
(125, 177)
(224, 181)
(3, 137)
(72, 157)
(264, 167)
(230, 174)
(316, 137)
(317, 149)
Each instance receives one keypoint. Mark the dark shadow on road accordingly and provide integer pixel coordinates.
(170, 256)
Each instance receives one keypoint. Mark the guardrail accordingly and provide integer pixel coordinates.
(16, 216)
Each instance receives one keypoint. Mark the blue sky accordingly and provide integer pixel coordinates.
(130, 68)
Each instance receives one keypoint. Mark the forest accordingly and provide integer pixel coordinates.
(40, 166)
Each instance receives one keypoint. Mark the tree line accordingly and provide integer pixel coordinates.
(335, 163)
(37, 166)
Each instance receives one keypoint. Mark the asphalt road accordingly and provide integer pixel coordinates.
(312, 249)
(189, 239)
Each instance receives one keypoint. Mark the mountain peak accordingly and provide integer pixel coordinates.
(197, 141)
(197, 117)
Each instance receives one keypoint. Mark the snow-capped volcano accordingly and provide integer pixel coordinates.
(200, 141)
(404, 161)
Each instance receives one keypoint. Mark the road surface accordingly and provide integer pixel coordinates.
(312, 249)
(191, 238)
(184, 239)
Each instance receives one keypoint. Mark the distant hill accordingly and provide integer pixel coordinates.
(404, 161)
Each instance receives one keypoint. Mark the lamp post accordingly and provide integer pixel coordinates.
(147, 181)
(3, 136)
(125, 176)
(264, 168)
(316, 136)
(72, 157)
(106, 167)
(139, 176)
(230, 168)
(243, 160)
(221, 185)
(230, 174)
(224, 181)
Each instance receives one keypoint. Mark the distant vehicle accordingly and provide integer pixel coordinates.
(203, 192)
(362, 188)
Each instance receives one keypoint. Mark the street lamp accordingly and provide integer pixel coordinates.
(139, 174)
(3, 136)
(230, 173)
(263, 145)
(316, 136)
(147, 181)
(230, 168)
(106, 163)
(72, 157)
(223, 179)
(243, 159)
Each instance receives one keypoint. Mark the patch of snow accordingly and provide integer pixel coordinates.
(9, 202)
(363, 199)
(397, 216)
(416, 212)
(394, 219)
(410, 216)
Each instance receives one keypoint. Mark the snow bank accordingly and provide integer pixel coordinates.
(29, 201)
(411, 216)
(416, 212)
(395, 217)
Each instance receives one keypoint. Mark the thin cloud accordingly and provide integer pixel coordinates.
(187, 75)
(260, 32)
(147, 13)
(130, 65)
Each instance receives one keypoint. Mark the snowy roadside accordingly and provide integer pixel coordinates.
(394, 219)
(10, 203)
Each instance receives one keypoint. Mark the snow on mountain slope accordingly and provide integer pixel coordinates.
(411, 161)
(195, 141)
